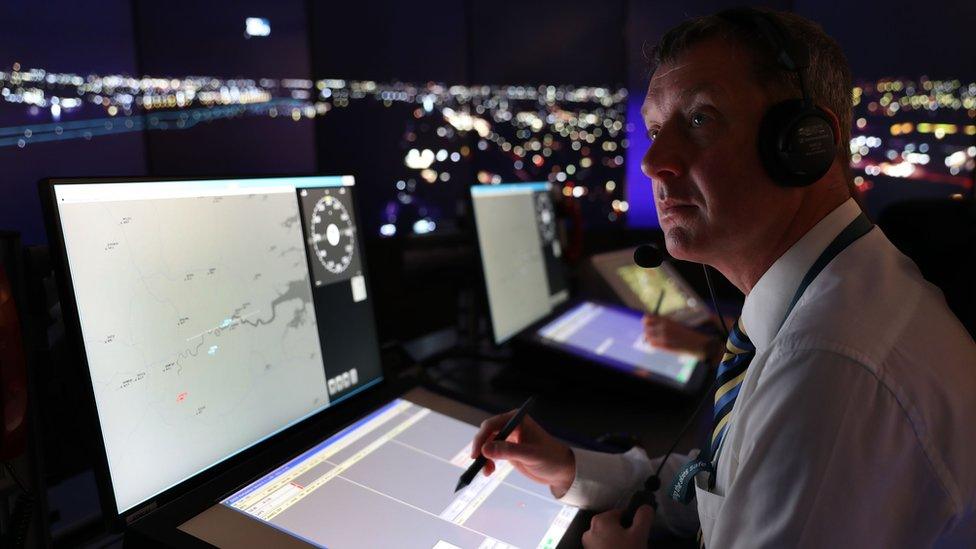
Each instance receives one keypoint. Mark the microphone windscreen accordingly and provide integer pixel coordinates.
(648, 256)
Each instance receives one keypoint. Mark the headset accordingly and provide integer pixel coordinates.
(796, 138)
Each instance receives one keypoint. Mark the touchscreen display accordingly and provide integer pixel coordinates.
(616, 337)
(388, 481)
(661, 290)
(653, 285)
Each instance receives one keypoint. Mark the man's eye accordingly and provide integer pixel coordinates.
(652, 133)
(698, 119)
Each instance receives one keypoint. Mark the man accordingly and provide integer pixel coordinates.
(854, 421)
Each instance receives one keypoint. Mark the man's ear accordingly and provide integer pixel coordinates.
(834, 123)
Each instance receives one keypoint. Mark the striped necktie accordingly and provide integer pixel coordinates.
(738, 354)
(731, 371)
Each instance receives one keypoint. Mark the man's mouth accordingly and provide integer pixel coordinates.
(671, 206)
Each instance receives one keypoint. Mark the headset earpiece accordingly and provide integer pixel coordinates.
(796, 139)
(796, 143)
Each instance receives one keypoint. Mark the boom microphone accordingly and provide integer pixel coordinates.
(648, 256)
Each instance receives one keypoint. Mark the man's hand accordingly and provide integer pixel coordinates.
(530, 449)
(605, 530)
(665, 333)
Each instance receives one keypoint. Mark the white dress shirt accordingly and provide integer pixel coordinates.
(855, 425)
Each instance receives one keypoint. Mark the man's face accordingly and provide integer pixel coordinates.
(712, 195)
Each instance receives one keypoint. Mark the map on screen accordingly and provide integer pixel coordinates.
(203, 328)
(650, 284)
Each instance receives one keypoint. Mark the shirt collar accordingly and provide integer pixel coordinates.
(766, 304)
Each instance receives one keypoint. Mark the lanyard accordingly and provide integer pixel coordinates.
(681, 486)
(855, 230)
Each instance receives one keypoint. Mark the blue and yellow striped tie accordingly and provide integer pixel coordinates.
(731, 372)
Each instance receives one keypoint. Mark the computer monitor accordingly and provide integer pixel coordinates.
(520, 254)
(614, 337)
(641, 289)
(213, 314)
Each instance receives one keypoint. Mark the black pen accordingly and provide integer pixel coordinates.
(660, 300)
(475, 467)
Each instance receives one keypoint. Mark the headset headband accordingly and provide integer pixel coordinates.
(791, 55)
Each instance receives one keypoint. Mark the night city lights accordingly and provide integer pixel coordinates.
(572, 136)
(913, 130)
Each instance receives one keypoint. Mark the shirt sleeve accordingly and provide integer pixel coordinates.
(606, 481)
(829, 458)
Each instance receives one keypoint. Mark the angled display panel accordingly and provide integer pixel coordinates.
(520, 254)
(213, 315)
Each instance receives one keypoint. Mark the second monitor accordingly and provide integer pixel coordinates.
(521, 257)
(520, 254)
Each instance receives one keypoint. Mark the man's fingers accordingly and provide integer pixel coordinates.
(605, 530)
(644, 514)
(488, 429)
(643, 519)
(609, 518)
(479, 441)
(511, 451)
(605, 520)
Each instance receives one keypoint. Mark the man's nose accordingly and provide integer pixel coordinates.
(662, 160)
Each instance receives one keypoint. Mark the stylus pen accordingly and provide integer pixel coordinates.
(475, 467)
(660, 300)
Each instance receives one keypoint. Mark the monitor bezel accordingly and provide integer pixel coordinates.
(484, 296)
(115, 519)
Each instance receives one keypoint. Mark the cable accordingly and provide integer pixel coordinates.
(711, 291)
(711, 389)
(653, 482)
(684, 429)
(21, 514)
(20, 521)
(10, 471)
(645, 496)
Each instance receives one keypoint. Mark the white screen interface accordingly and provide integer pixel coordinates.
(616, 337)
(520, 253)
(388, 481)
(198, 308)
